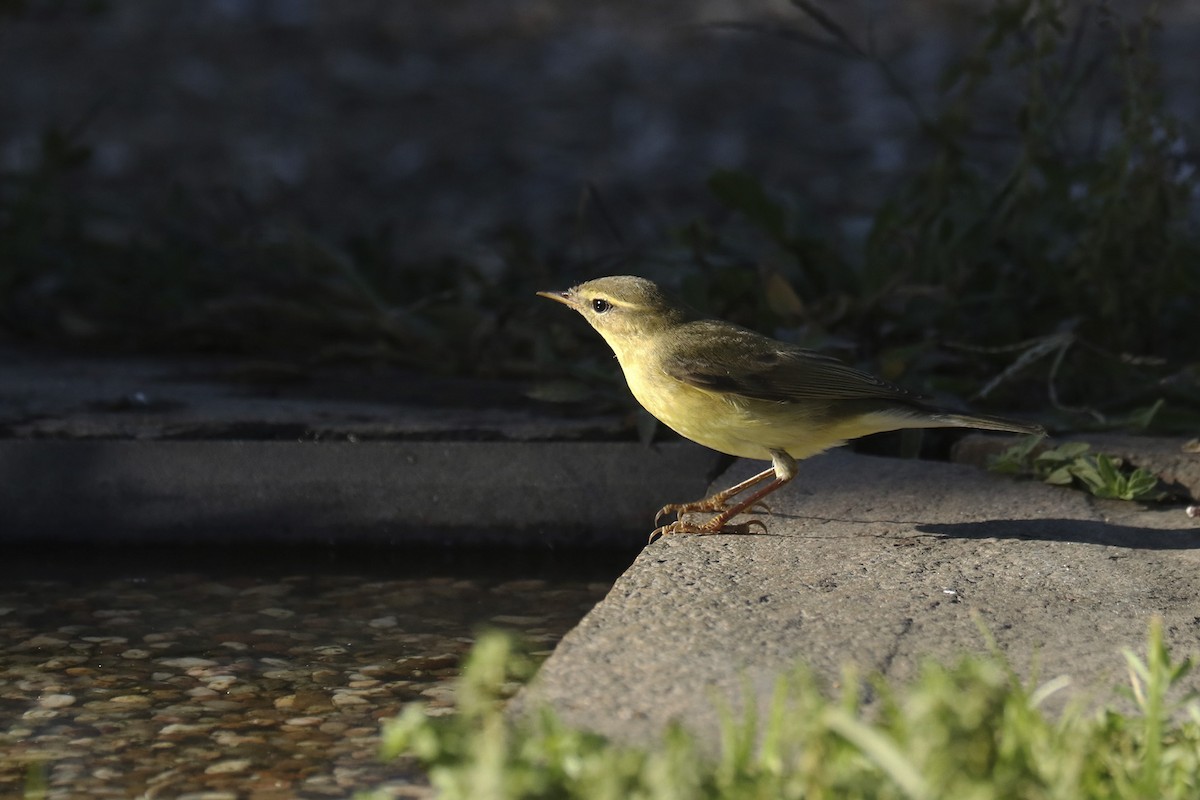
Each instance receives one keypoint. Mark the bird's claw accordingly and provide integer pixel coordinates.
(709, 505)
(678, 526)
(744, 528)
(706, 528)
(681, 509)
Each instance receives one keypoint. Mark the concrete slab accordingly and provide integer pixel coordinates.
(879, 562)
(212, 450)
(526, 493)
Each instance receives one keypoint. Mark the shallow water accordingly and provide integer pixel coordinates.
(250, 673)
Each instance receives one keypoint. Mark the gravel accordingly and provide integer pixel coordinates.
(189, 685)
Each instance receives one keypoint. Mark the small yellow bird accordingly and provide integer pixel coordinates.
(744, 394)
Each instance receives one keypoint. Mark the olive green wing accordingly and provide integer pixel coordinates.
(725, 358)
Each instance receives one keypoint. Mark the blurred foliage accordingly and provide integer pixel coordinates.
(207, 274)
(1042, 252)
(1064, 246)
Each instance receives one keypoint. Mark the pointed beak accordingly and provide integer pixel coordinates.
(566, 297)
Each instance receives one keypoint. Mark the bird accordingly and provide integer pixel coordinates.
(744, 394)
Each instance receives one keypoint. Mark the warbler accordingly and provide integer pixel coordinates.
(741, 393)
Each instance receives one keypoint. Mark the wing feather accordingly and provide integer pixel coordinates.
(726, 358)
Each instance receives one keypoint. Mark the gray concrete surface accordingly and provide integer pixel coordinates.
(565, 493)
(214, 450)
(210, 449)
(883, 563)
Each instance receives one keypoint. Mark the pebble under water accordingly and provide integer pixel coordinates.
(250, 674)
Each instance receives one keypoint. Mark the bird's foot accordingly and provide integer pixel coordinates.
(711, 526)
(712, 505)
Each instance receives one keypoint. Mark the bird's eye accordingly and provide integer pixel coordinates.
(600, 306)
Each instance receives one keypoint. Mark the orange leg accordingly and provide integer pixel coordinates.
(714, 502)
(783, 469)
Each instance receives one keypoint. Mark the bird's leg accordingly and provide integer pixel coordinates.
(716, 502)
(783, 468)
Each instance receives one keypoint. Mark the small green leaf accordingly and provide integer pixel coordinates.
(1064, 452)
(1085, 470)
(1143, 485)
(1106, 466)
(1141, 418)
(1060, 477)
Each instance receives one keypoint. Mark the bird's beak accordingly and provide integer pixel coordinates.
(566, 297)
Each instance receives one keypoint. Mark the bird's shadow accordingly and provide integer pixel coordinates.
(1081, 531)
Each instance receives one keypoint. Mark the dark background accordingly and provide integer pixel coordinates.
(445, 123)
(389, 180)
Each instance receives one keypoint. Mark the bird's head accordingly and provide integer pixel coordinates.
(624, 309)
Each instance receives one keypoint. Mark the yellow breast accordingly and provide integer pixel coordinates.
(738, 426)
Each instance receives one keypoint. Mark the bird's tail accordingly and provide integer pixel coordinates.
(951, 419)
